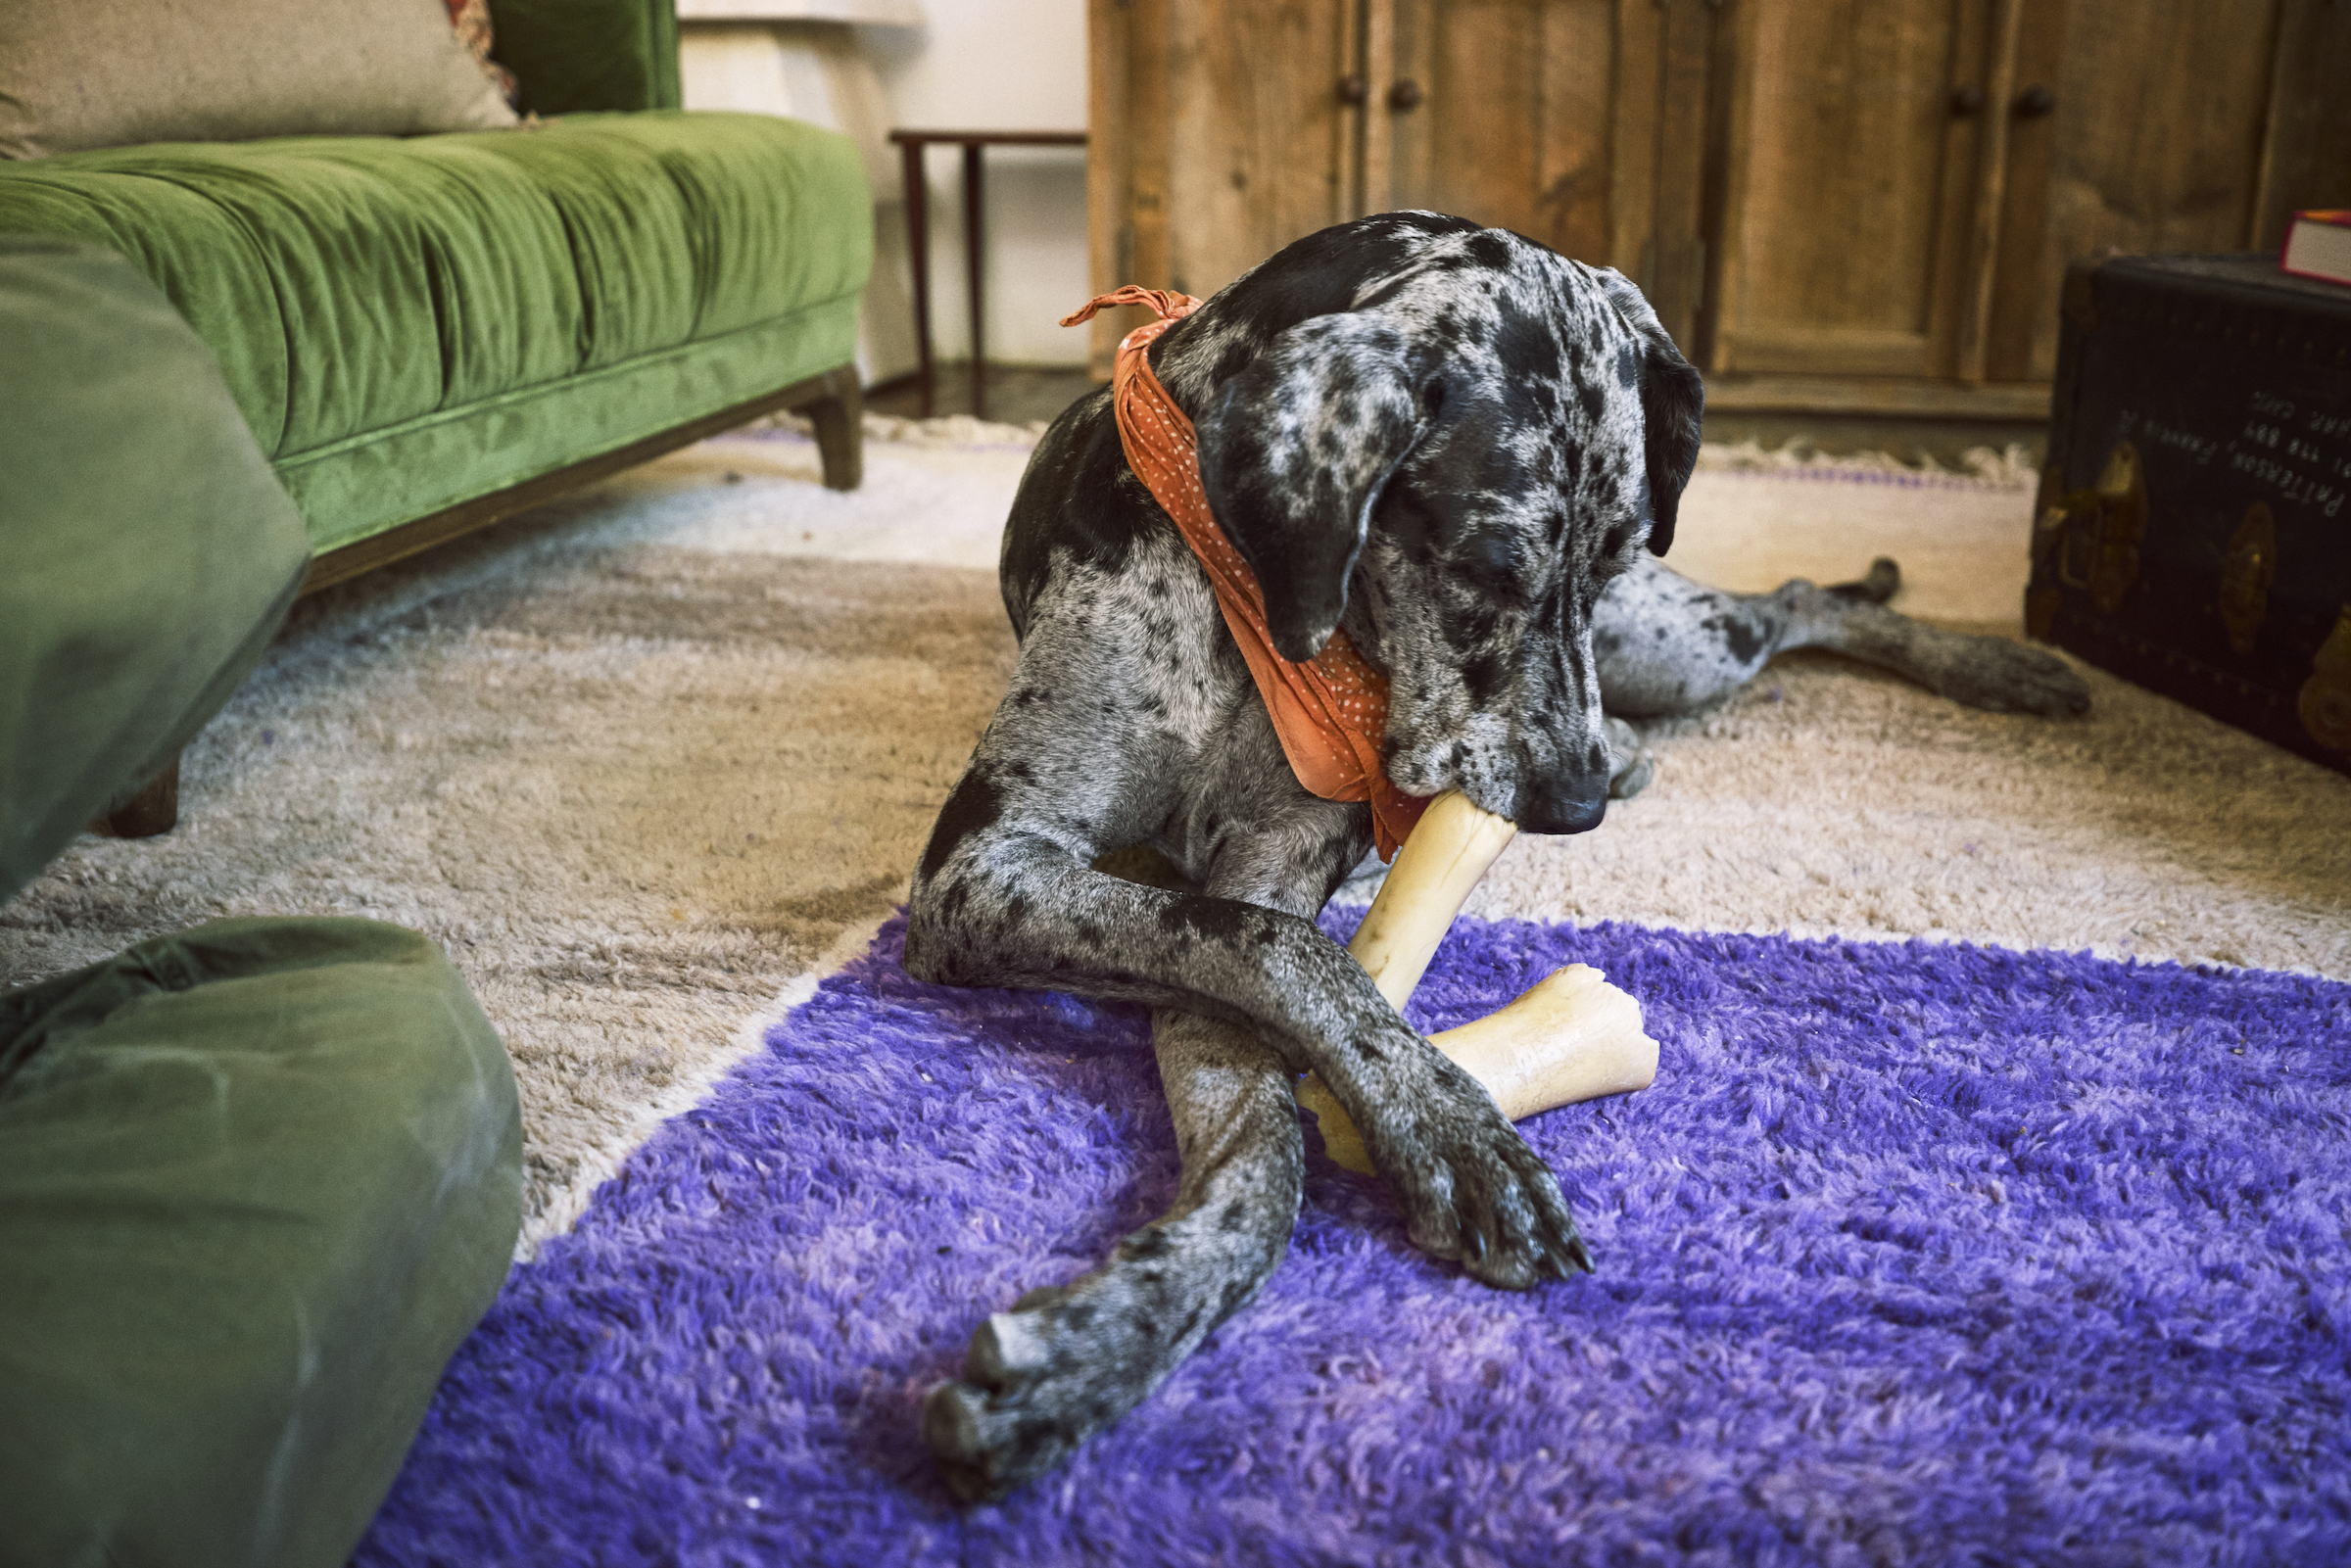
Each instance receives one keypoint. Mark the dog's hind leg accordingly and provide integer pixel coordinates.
(1998, 674)
(1067, 1360)
(1668, 647)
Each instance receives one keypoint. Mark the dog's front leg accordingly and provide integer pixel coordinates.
(997, 902)
(1064, 1363)
(1067, 1360)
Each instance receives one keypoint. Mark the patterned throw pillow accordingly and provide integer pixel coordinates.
(471, 19)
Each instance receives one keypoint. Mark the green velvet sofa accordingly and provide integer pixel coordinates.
(426, 334)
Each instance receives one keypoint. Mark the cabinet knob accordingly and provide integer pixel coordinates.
(2034, 102)
(1354, 90)
(1406, 94)
(1966, 101)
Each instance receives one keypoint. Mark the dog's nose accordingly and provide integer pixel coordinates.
(1565, 805)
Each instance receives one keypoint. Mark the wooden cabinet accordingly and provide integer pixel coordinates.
(1854, 184)
(1223, 130)
(1493, 107)
(1836, 204)
(1227, 137)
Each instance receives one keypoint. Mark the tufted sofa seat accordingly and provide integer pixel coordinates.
(411, 323)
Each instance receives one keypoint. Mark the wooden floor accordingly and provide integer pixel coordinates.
(1018, 394)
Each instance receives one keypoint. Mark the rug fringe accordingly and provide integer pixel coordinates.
(1980, 467)
(943, 430)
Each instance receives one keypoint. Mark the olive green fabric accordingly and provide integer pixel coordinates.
(575, 55)
(351, 283)
(355, 286)
(371, 482)
(149, 553)
(257, 1182)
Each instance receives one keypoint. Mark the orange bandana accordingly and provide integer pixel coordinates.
(1329, 712)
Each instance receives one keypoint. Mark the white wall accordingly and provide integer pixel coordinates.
(1000, 64)
(972, 64)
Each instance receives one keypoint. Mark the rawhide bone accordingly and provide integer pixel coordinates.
(1572, 1036)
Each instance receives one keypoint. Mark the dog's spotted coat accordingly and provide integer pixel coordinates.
(1468, 451)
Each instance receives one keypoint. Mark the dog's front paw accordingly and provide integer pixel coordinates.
(978, 1449)
(1475, 1194)
(2004, 677)
(1067, 1360)
(1011, 1418)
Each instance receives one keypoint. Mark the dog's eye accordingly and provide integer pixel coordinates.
(1491, 557)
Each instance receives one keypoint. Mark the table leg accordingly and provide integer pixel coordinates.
(971, 267)
(918, 255)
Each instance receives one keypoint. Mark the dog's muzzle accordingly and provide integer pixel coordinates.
(1563, 805)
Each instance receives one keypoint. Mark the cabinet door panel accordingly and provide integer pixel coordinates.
(1510, 125)
(1219, 137)
(1849, 181)
(2155, 143)
(1256, 147)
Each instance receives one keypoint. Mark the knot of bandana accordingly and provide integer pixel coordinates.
(1328, 712)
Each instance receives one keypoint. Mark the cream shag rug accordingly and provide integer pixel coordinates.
(651, 760)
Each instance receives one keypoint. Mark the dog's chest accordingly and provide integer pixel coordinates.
(1145, 647)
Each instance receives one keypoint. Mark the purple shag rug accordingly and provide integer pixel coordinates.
(1914, 1253)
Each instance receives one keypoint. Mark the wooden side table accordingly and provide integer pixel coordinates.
(911, 143)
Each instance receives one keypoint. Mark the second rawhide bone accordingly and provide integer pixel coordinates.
(1571, 1036)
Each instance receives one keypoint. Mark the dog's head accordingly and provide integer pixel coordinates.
(1453, 468)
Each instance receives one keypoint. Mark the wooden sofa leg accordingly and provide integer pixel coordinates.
(154, 810)
(839, 419)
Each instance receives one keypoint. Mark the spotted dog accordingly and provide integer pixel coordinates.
(1467, 450)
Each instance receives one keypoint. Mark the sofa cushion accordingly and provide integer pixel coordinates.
(81, 74)
(349, 284)
(570, 56)
(146, 551)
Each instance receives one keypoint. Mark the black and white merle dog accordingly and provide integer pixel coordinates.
(1468, 451)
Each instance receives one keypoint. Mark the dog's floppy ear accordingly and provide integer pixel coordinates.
(1673, 402)
(1294, 452)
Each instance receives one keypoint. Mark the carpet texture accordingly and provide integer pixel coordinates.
(1914, 1253)
(640, 790)
(651, 760)
(1985, 1248)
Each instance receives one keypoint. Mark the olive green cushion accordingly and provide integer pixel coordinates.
(146, 551)
(257, 1182)
(574, 55)
(454, 289)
